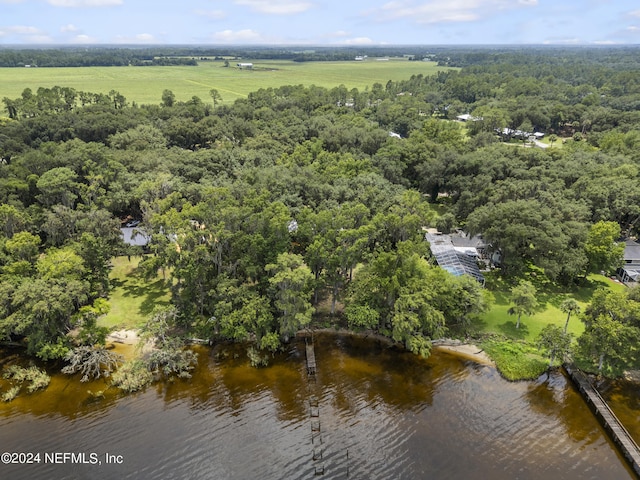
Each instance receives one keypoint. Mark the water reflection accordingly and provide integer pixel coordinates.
(383, 414)
(624, 399)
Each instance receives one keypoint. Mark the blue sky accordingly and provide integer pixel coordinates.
(320, 22)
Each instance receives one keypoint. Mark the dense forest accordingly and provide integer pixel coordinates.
(295, 195)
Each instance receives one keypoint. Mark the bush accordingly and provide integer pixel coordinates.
(256, 359)
(36, 378)
(132, 376)
(11, 393)
(515, 360)
(91, 362)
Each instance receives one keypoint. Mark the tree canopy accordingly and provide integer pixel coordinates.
(262, 209)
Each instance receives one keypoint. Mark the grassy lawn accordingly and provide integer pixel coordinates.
(557, 144)
(133, 298)
(498, 321)
(145, 85)
(513, 349)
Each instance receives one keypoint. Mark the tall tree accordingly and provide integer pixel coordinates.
(523, 298)
(555, 341)
(168, 98)
(603, 250)
(215, 96)
(612, 330)
(293, 282)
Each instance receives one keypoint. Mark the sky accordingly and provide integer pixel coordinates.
(320, 22)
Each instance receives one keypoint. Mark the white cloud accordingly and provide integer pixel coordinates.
(277, 7)
(26, 34)
(84, 3)
(633, 29)
(139, 38)
(145, 37)
(38, 39)
(358, 41)
(82, 39)
(443, 11)
(20, 30)
(11, 1)
(68, 28)
(213, 14)
(563, 41)
(240, 36)
(338, 34)
(635, 13)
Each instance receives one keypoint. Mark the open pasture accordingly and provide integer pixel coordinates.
(144, 85)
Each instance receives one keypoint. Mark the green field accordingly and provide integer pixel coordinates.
(550, 296)
(133, 298)
(514, 350)
(144, 85)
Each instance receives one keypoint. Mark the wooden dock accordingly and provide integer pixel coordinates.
(311, 359)
(612, 425)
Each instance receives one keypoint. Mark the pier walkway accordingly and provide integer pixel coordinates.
(612, 425)
(324, 456)
(311, 358)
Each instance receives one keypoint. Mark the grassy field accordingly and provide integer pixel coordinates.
(133, 298)
(144, 85)
(550, 296)
(513, 349)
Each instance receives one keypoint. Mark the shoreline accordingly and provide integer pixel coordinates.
(468, 351)
(126, 337)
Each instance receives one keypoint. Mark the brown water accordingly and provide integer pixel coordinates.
(624, 399)
(383, 414)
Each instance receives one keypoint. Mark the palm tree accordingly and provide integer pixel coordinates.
(569, 306)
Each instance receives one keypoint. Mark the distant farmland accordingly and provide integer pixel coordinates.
(144, 85)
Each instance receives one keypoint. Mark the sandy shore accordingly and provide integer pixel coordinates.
(128, 337)
(469, 351)
(465, 350)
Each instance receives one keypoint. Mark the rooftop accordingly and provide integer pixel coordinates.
(631, 250)
(459, 260)
(134, 236)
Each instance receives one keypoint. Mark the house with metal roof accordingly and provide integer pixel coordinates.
(134, 237)
(457, 260)
(630, 270)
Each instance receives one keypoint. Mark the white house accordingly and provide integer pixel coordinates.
(245, 66)
(467, 117)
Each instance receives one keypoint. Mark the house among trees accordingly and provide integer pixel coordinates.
(458, 254)
(630, 270)
(134, 237)
(467, 117)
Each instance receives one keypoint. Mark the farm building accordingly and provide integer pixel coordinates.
(244, 66)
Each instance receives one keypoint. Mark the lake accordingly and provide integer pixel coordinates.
(372, 412)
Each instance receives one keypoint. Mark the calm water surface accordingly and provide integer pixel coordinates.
(382, 414)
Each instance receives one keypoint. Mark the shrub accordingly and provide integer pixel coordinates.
(132, 376)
